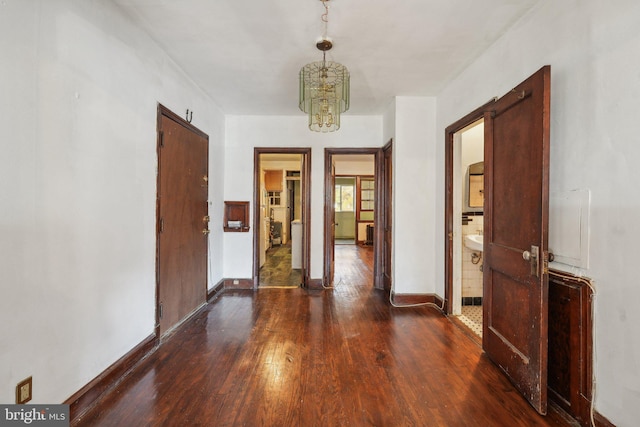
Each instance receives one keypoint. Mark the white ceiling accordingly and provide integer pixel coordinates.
(246, 54)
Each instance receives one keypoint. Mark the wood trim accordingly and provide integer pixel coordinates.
(383, 226)
(580, 347)
(88, 396)
(458, 125)
(242, 284)
(315, 284)
(601, 421)
(240, 212)
(411, 299)
(305, 181)
(216, 291)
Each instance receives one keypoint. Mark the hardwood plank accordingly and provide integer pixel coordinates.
(296, 357)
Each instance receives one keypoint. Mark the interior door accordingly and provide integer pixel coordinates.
(387, 217)
(182, 220)
(516, 235)
(330, 234)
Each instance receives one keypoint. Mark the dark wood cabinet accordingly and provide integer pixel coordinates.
(273, 180)
(570, 345)
(236, 216)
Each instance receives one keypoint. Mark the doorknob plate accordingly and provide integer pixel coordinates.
(533, 257)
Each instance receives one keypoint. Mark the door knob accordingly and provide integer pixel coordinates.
(532, 257)
(206, 231)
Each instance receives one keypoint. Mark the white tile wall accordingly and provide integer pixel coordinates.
(471, 273)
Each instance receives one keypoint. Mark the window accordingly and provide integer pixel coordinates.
(367, 194)
(274, 198)
(344, 198)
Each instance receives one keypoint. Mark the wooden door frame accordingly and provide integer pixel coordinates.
(328, 241)
(305, 181)
(452, 129)
(385, 212)
(163, 111)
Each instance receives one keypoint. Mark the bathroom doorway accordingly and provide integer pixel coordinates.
(468, 210)
(515, 231)
(281, 217)
(470, 126)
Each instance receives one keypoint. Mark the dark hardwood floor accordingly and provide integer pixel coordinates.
(336, 357)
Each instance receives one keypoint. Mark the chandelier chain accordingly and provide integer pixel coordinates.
(325, 18)
(324, 86)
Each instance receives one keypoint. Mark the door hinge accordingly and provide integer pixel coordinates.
(160, 311)
(161, 139)
(161, 225)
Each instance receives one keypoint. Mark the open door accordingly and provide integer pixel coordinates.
(516, 235)
(330, 218)
(387, 214)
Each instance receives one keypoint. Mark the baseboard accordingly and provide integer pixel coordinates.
(85, 398)
(238, 283)
(315, 284)
(216, 291)
(601, 421)
(412, 299)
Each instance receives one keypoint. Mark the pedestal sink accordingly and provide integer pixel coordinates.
(473, 242)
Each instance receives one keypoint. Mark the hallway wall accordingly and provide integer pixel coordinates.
(592, 47)
(243, 133)
(78, 186)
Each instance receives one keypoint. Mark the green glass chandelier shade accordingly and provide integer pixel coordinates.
(324, 94)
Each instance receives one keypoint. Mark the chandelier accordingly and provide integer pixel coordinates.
(324, 87)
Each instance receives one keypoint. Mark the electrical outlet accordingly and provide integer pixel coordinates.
(24, 391)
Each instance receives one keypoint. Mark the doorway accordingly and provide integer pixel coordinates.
(455, 194)
(345, 208)
(281, 217)
(515, 231)
(468, 206)
(353, 194)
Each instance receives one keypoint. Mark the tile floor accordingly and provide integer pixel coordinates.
(277, 271)
(472, 317)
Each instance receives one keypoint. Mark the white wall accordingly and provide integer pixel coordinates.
(356, 167)
(243, 133)
(592, 47)
(78, 189)
(414, 192)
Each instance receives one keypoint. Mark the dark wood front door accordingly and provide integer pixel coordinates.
(516, 235)
(182, 220)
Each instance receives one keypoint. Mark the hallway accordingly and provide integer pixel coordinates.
(292, 357)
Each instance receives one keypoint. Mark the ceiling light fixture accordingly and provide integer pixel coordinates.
(324, 86)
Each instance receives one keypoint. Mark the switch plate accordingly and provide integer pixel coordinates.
(24, 391)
